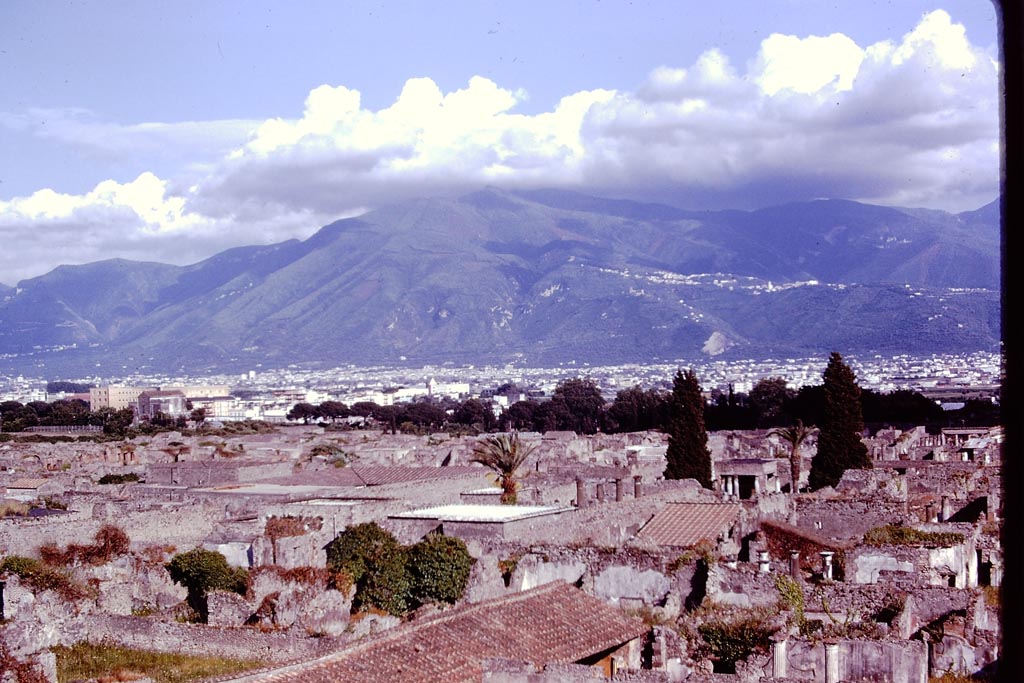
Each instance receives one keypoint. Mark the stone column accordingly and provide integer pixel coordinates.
(618, 490)
(763, 563)
(831, 662)
(638, 486)
(779, 656)
(947, 509)
(757, 485)
(929, 513)
(996, 574)
(826, 564)
(794, 564)
(581, 493)
(600, 491)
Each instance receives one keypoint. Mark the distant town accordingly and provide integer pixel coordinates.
(268, 394)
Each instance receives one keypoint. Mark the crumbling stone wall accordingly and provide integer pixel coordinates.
(847, 518)
(180, 526)
(198, 639)
(744, 586)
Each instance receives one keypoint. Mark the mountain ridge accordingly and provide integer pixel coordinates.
(542, 275)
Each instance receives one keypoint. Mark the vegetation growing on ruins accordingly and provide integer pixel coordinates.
(791, 597)
(839, 441)
(376, 562)
(118, 478)
(732, 638)
(201, 571)
(687, 455)
(895, 534)
(439, 567)
(503, 454)
(22, 671)
(109, 542)
(39, 576)
(394, 578)
(84, 661)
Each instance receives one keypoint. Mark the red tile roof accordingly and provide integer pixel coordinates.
(684, 524)
(553, 623)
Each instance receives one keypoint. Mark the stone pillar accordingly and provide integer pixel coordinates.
(947, 509)
(992, 507)
(929, 513)
(831, 662)
(618, 490)
(600, 491)
(638, 486)
(826, 564)
(779, 656)
(778, 485)
(757, 485)
(581, 493)
(794, 564)
(996, 574)
(763, 564)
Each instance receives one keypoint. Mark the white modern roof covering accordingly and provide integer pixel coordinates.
(481, 513)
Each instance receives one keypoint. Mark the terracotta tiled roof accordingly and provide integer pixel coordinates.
(684, 524)
(378, 475)
(553, 623)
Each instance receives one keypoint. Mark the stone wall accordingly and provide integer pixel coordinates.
(180, 526)
(845, 518)
(197, 639)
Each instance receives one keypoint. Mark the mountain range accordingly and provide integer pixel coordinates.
(539, 277)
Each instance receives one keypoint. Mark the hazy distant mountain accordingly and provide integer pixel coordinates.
(543, 276)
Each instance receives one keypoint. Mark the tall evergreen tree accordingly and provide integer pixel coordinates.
(839, 440)
(688, 455)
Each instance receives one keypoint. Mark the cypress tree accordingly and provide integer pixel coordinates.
(688, 455)
(839, 440)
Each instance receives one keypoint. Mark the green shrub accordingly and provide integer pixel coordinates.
(439, 567)
(376, 563)
(201, 571)
(118, 478)
(38, 576)
(734, 640)
(791, 597)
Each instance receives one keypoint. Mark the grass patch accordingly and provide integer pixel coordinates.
(84, 660)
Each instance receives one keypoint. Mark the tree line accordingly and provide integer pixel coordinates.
(578, 405)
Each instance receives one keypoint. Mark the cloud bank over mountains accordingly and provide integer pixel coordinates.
(912, 121)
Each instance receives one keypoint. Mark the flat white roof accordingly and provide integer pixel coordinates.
(481, 513)
(481, 492)
(325, 501)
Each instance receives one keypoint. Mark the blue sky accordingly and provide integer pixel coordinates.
(169, 131)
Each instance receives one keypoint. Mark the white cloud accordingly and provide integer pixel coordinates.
(910, 122)
(807, 65)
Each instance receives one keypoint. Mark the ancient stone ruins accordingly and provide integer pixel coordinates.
(602, 569)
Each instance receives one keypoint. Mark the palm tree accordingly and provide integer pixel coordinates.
(795, 436)
(503, 454)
